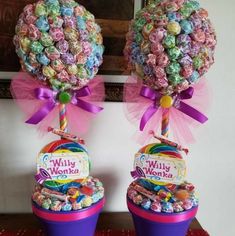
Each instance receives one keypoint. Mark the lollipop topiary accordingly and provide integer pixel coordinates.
(60, 47)
(170, 46)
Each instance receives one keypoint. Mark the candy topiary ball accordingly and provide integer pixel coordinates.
(59, 43)
(170, 45)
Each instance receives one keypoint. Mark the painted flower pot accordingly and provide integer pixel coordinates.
(150, 223)
(74, 223)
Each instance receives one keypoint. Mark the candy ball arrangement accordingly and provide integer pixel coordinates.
(170, 45)
(59, 43)
(72, 196)
(169, 198)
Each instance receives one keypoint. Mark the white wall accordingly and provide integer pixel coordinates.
(211, 161)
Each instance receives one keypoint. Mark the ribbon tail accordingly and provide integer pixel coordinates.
(192, 112)
(147, 115)
(41, 113)
(88, 106)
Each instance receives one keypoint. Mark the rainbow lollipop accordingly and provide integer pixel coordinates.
(161, 149)
(62, 146)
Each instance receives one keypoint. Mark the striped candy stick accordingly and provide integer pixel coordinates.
(165, 122)
(166, 102)
(63, 118)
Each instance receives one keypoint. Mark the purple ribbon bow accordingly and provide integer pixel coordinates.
(51, 97)
(178, 104)
(42, 176)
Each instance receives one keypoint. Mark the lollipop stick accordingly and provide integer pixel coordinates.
(165, 122)
(63, 118)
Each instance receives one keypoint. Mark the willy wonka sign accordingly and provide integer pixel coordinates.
(62, 166)
(159, 168)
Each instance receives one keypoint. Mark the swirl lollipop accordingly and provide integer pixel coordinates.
(170, 46)
(60, 47)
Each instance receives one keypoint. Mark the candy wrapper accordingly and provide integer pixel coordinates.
(59, 43)
(170, 45)
(41, 104)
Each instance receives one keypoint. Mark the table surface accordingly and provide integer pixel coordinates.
(114, 220)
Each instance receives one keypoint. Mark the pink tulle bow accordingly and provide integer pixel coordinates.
(40, 104)
(138, 106)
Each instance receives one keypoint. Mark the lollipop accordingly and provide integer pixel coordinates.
(161, 149)
(62, 145)
(170, 45)
(59, 43)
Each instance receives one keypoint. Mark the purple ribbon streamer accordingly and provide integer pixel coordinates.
(178, 104)
(50, 96)
(43, 94)
(42, 176)
(83, 92)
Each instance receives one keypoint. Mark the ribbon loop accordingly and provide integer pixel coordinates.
(148, 93)
(178, 104)
(44, 93)
(187, 94)
(83, 92)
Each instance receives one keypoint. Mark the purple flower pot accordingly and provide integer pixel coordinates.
(74, 223)
(149, 223)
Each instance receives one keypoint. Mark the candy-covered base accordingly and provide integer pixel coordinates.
(160, 224)
(74, 223)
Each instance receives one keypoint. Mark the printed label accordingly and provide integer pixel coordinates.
(159, 168)
(63, 166)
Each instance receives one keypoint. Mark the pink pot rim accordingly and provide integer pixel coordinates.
(68, 216)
